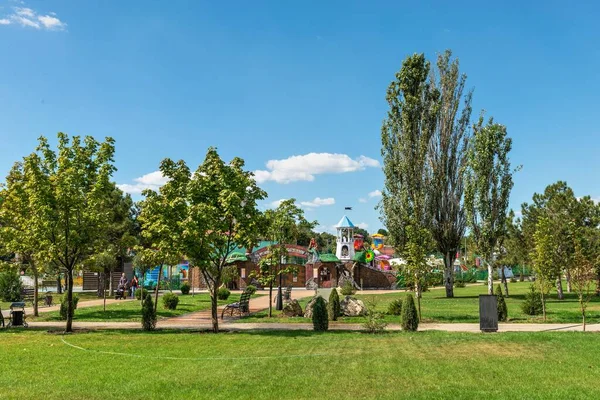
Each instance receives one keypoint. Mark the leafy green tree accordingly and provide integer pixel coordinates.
(219, 213)
(448, 158)
(281, 226)
(67, 191)
(382, 231)
(161, 218)
(559, 205)
(406, 136)
(543, 258)
(15, 220)
(514, 250)
(488, 183)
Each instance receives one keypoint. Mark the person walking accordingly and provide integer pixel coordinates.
(134, 285)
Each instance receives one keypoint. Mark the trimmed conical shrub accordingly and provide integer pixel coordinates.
(333, 307)
(319, 317)
(502, 310)
(410, 318)
(533, 302)
(148, 314)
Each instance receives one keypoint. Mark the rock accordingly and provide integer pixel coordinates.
(292, 309)
(352, 307)
(308, 311)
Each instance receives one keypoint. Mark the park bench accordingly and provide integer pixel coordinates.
(240, 308)
(27, 294)
(51, 283)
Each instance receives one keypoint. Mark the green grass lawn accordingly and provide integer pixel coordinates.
(131, 310)
(464, 307)
(299, 365)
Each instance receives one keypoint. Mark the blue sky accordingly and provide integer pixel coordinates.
(275, 81)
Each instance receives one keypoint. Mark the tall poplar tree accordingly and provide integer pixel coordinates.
(488, 183)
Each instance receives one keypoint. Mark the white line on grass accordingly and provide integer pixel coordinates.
(113, 353)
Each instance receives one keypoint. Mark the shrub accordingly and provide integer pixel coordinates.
(170, 301)
(141, 293)
(513, 280)
(434, 279)
(319, 317)
(459, 284)
(148, 314)
(64, 307)
(348, 289)
(251, 289)
(10, 286)
(410, 318)
(223, 293)
(375, 322)
(333, 307)
(395, 307)
(185, 288)
(502, 310)
(533, 302)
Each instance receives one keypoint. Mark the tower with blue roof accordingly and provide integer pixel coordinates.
(345, 239)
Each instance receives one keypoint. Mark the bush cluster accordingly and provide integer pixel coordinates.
(333, 307)
(320, 319)
(141, 293)
(223, 293)
(502, 309)
(148, 314)
(64, 306)
(395, 307)
(170, 301)
(251, 289)
(410, 318)
(459, 284)
(533, 302)
(348, 289)
(10, 286)
(185, 288)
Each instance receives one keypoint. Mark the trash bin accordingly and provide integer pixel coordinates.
(488, 313)
(17, 314)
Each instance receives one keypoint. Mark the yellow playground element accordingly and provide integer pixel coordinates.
(377, 241)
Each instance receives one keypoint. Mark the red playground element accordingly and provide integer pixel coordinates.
(358, 242)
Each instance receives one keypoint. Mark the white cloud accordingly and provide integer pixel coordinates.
(27, 17)
(153, 180)
(305, 167)
(363, 225)
(276, 203)
(362, 200)
(51, 22)
(375, 193)
(318, 202)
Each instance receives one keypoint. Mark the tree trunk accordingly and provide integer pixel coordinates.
(504, 282)
(157, 286)
(70, 310)
(35, 290)
(449, 274)
(270, 299)
(490, 278)
(521, 278)
(583, 315)
(568, 277)
(58, 284)
(559, 289)
(213, 308)
(543, 302)
(111, 289)
(104, 290)
(418, 296)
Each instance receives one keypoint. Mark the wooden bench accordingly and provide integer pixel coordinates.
(240, 308)
(27, 294)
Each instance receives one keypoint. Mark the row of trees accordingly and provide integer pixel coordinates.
(442, 173)
(60, 211)
(559, 235)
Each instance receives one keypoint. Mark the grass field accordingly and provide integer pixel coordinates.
(464, 307)
(131, 310)
(83, 296)
(299, 365)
